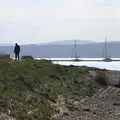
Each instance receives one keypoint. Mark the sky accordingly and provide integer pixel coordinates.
(39, 21)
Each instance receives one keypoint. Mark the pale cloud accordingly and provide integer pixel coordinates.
(29, 21)
(108, 2)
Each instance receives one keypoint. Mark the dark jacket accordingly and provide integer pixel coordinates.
(17, 49)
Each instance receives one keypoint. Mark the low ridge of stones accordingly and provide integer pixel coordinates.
(103, 105)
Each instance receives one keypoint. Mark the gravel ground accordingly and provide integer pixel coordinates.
(104, 105)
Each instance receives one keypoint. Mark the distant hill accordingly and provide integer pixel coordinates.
(91, 50)
(70, 42)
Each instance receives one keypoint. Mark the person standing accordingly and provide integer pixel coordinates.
(17, 51)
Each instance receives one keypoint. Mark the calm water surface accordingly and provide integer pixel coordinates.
(103, 65)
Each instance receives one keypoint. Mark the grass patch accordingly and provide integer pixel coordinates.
(27, 86)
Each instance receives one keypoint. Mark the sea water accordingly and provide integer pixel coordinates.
(102, 65)
(114, 65)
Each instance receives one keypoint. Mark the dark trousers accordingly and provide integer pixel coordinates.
(17, 56)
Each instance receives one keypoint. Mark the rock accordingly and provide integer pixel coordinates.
(113, 77)
(101, 78)
(93, 73)
(27, 58)
(4, 56)
(106, 77)
(102, 105)
(59, 107)
(4, 116)
(85, 107)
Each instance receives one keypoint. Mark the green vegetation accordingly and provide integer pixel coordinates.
(27, 86)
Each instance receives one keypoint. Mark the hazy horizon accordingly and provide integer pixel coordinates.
(38, 21)
(57, 42)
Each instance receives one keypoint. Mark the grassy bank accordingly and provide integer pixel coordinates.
(26, 87)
